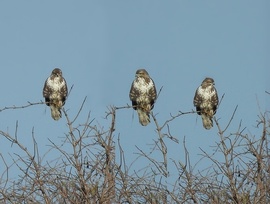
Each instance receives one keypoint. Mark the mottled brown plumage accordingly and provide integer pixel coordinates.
(55, 92)
(143, 95)
(206, 101)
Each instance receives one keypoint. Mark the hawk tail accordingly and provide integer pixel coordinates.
(55, 112)
(207, 121)
(144, 117)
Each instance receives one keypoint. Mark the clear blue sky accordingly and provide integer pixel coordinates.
(100, 44)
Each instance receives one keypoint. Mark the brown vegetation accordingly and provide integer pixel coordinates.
(89, 173)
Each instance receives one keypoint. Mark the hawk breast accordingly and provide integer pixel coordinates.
(143, 87)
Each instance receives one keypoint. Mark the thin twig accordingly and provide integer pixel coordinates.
(22, 106)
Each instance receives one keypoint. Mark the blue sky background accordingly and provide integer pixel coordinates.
(99, 45)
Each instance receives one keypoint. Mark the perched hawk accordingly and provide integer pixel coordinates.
(206, 102)
(143, 95)
(55, 93)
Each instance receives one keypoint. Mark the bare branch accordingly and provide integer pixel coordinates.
(22, 106)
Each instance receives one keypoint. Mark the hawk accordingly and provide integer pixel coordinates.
(143, 95)
(55, 93)
(206, 102)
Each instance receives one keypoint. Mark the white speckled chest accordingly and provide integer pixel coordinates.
(56, 85)
(206, 95)
(144, 88)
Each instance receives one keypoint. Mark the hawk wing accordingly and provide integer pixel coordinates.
(152, 95)
(134, 93)
(197, 101)
(214, 100)
(47, 92)
(63, 92)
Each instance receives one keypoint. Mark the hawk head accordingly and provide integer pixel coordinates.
(142, 73)
(207, 82)
(56, 73)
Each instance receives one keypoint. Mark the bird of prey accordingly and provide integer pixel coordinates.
(55, 93)
(206, 102)
(143, 95)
